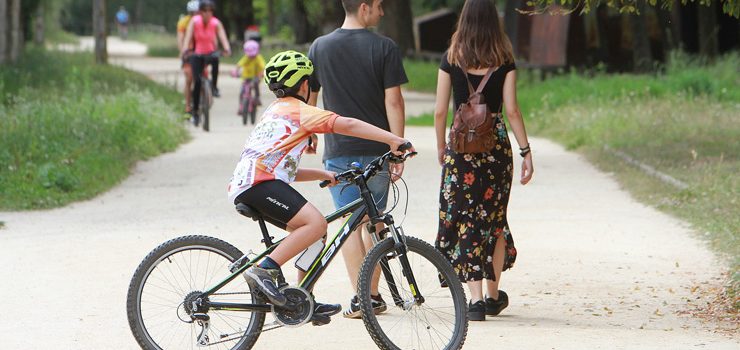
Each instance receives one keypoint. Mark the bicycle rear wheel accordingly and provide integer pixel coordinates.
(170, 278)
(439, 322)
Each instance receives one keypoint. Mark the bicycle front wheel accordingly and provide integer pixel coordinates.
(439, 321)
(170, 278)
(206, 102)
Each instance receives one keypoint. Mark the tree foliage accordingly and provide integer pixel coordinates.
(730, 7)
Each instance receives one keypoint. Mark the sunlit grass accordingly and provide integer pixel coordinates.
(70, 130)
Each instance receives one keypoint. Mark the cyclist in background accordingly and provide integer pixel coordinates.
(122, 21)
(253, 33)
(270, 161)
(251, 67)
(205, 29)
(182, 28)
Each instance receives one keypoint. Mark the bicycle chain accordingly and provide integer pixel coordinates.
(275, 324)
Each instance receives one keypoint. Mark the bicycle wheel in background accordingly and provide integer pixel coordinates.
(244, 102)
(439, 322)
(206, 101)
(169, 279)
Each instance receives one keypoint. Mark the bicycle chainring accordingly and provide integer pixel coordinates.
(299, 309)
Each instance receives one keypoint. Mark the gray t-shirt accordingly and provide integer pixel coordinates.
(354, 67)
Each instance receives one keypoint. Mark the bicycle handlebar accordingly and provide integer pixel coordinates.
(374, 166)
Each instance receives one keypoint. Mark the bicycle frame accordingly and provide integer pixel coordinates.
(357, 209)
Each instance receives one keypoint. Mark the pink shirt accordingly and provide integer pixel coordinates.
(205, 35)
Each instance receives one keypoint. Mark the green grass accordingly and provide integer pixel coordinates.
(70, 130)
(158, 44)
(422, 75)
(684, 121)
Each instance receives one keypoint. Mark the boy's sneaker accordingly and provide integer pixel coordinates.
(266, 281)
(379, 306)
(477, 311)
(495, 306)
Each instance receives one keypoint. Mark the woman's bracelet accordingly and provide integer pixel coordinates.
(524, 150)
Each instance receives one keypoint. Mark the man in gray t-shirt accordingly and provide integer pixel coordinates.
(361, 73)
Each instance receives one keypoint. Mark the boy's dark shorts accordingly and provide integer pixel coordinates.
(277, 201)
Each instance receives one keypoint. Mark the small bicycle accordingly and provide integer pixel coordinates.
(190, 291)
(248, 100)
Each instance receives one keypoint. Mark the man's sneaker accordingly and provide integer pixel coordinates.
(495, 306)
(379, 306)
(216, 93)
(322, 313)
(266, 281)
(195, 118)
(477, 311)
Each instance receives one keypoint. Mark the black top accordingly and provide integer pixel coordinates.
(493, 92)
(354, 67)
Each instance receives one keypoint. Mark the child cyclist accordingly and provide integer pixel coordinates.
(269, 162)
(251, 67)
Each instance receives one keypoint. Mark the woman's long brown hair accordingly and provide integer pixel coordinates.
(479, 39)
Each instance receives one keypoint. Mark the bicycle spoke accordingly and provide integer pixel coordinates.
(435, 323)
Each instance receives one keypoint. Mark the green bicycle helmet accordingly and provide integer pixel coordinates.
(287, 69)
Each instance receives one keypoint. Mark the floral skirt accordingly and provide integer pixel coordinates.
(472, 209)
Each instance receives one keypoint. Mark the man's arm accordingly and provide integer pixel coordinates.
(314, 98)
(188, 38)
(396, 111)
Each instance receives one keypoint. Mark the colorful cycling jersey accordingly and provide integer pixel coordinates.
(205, 35)
(251, 67)
(182, 23)
(273, 150)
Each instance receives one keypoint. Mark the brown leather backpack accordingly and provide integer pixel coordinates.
(473, 125)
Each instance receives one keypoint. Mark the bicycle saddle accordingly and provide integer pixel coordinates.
(247, 211)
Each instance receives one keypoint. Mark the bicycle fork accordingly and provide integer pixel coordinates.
(400, 250)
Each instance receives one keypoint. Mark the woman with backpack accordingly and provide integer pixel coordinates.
(477, 162)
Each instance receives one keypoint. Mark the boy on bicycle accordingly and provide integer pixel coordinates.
(269, 162)
(251, 67)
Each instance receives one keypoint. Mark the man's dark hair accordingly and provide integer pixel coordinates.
(351, 6)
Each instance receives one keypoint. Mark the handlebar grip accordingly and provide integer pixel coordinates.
(324, 183)
(404, 146)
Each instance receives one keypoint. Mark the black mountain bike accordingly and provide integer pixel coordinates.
(206, 92)
(190, 291)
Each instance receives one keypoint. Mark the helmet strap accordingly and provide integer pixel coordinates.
(300, 97)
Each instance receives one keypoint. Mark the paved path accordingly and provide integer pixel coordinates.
(595, 268)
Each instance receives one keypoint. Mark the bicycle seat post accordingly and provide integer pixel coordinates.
(266, 238)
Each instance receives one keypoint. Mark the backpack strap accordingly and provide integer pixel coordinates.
(482, 85)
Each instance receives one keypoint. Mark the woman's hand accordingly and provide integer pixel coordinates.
(527, 169)
(441, 155)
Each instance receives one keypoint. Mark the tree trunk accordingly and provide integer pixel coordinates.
(38, 31)
(99, 31)
(16, 34)
(138, 11)
(302, 28)
(708, 29)
(271, 17)
(397, 24)
(511, 23)
(641, 55)
(3, 31)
